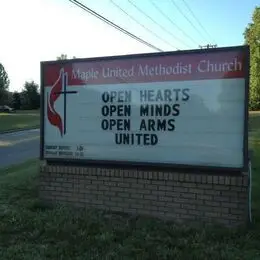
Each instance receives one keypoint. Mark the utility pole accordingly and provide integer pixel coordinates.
(208, 46)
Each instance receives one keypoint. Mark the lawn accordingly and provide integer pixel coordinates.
(23, 119)
(30, 231)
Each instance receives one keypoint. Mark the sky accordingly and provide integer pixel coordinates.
(39, 30)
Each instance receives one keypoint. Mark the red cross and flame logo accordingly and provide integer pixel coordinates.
(58, 89)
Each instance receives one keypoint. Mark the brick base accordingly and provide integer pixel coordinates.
(167, 195)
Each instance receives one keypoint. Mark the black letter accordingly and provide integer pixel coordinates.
(105, 111)
(161, 125)
(150, 95)
(144, 110)
(105, 97)
(104, 124)
(167, 110)
(151, 124)
(118, 138)
(127, 109)
(185, 96)
(167, 95)
(154, 139)
(176, 109)
(146, 139)
(171, 125)
(142, 125)
(120, 110)
(126, 139)
(158, 110)
(127, 124)
(128, 96)
(112, 122)
(112, 109)
(143, 95)
(177, 90)
(159, 96)
(113, 96)
(138, 138)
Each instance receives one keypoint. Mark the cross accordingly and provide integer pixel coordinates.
(65, 92)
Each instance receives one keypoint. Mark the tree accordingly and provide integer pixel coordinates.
(62, 57)
(30, 97)
(16, 102)
(252, 38)
(4, 84)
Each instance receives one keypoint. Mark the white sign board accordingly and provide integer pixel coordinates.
(185, 108)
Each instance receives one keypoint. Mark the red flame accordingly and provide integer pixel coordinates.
(53, 115)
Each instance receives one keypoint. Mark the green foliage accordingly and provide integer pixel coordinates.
(16, 101)
(4, 85)
(252, 38)
(30, 97)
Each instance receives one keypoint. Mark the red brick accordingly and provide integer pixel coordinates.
(173, 205)
(103, 188)
(131, 201)
(187, 217)
(171, 215)
(116, 209)
(110, 203)
(165, 199)
(158, 193)
(143, 191)
(195, 212)
(205, 208)
(180, 189)
(215, 179)
(136, 206)
(166, 188)
(137, 195)
(180, 211)
(159, 203)
(189, 185)
(188, 195)
(123, 194)
(221, 198)
(204, 179)
(150, 197)
(118, 189)
(188, 206)
(212, 203)
(210, 179)
(212, 214)
(123, 184)
(150, 207)
(204, 197)
(118, 199)
(197, 191)
(144, 181)
(212, 192)
(229, 205)
(151, 187)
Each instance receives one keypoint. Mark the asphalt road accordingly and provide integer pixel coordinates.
(19, 147)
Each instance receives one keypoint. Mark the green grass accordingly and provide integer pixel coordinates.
(23, 119)
(28, 230)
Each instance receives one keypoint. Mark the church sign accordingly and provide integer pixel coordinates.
(177, 109)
